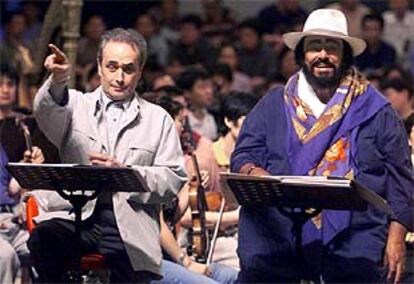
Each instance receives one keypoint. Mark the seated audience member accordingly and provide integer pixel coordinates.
(89, 43)
(256, 58)
(287, 63)
(396, 72)
(191, 48)
(15, 52)
(218, 22)
(198, 90)
(354, 12)
(13, 237)
(378, 55)
(399, 28)
(228, 55)
(281, 16)
(158, 48)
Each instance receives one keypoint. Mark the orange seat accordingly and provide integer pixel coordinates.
(88, 262)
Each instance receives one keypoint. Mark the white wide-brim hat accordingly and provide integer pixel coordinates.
(326, 22)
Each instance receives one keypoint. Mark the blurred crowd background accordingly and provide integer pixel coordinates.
(238, 44)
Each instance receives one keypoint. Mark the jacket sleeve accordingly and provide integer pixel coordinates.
(54, 117)
(251, 145)
(400, 181)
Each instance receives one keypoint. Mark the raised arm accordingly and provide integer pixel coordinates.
(51, 102)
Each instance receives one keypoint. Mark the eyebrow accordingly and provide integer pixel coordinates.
(131, 64)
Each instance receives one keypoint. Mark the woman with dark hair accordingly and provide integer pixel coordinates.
(235, 107)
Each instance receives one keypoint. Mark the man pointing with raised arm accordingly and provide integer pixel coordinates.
(114, 127)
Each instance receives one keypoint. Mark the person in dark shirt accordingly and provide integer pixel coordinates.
(192, 48)
(326, 121)
(281, 17)
(378, 55)
(400, 94)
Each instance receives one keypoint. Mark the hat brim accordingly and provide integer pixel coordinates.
(292, 39)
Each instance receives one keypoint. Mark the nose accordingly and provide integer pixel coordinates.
(323, 53)
(4, 89)
(120, 76)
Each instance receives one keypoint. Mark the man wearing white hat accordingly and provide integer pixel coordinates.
(327, 121)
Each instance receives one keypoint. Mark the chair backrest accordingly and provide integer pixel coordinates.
(32, 210)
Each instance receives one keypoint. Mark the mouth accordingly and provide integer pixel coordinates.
(119, 89)
(323, 68)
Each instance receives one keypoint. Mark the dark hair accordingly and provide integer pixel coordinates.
(237, 104)
(10, 72)
(171, 106)
(189, 77)
(398, 85)
(170, 91)
(373, 17)
(128, 36)
(347, 59)
(405, 74)
(192, 19)
(251, 23)
(223, 70)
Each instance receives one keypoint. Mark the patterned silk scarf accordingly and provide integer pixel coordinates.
(323, 146)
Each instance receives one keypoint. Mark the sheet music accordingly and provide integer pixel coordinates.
(73, 177)
(335, 193)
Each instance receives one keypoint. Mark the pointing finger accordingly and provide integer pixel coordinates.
(60, 56)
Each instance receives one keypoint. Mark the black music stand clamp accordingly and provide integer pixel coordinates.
(299, 197)
(78, 184)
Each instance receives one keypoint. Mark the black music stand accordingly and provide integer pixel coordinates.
(299, 198)
(78, 184)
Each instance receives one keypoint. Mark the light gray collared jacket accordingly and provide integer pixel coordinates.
(147, 141)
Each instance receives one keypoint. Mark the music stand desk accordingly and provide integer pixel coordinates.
(78, 184)
(295, 195)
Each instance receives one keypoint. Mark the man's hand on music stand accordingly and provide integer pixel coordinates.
(99, 159)
(35, 156)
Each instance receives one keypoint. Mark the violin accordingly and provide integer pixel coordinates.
(198, 206)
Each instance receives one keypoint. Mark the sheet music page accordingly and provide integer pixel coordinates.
(44, 165)
(300, 180)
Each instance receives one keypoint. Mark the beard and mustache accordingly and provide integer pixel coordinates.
(330, 80)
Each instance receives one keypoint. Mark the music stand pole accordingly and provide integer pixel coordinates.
(299, 217)
(78, 201)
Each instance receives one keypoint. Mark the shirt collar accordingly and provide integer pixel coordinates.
(103, 102)
(308, 95)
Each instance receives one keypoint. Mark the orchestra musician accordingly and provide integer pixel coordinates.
(195, 272)
(114, 127)
(11, 135)
(327, 120)
(13, 237)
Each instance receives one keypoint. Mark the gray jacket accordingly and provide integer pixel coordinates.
(147, 141)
